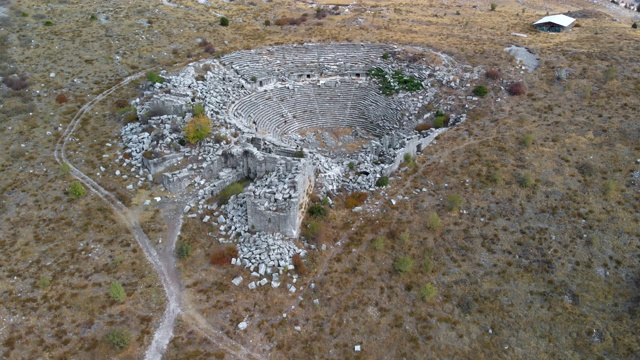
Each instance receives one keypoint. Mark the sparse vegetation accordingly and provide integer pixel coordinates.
(62, 98)
(116, 291)
(403, 264)
(527, 140)
(299, 265)
(382, 181)
(433, 222)
(76, 190)
(493, 74)
(198, 109)
(454, 202)
(424, 126)
(428, 292)
(119, 339)
(494, 6)
(43, 282)
(154, 78)
(298, 154)
(480, 90)
(65, 168)
(609, 188)
(317, 211)
(183, 249)
(356, 199)
(378, 243)
(525, 181)
(517, 88)
(224, 21)
(226, 193)
(224, 254)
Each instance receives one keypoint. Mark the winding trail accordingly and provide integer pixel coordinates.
(163, 262)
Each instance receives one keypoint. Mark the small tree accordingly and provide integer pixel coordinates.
(403, 264)
(76, 190)
(119, 338)
(494, 6)
(224, 21)
(197, 129)
(116, 291)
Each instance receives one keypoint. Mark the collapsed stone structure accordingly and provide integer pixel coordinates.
(273, 110)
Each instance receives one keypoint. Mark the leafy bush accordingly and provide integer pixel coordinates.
(43, 282)
(433, 222)
(635, 24)
(382, 181)
(428, 292)
(312, 230)
(65, 168)
(378, 243)
(226, 193)
(408, 158)
(454, 202)
(154, 78)
(356, 199)
(62, 98)
(403, 264)
(267, 23)
(197, 129)
(223, 255)
(224, 21)
(317, 211)
(527, 140)
(494, 6)
(423, 126)
(299, 265)
(493, 74)
(183, 249)
(76, 190)
(385, 56)
(525, 181)
(116, 291)
(48, 23)
(119, 338)
(480, 90)
(298, 154)
(517, 88)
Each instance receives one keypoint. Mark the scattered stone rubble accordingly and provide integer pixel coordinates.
(260, 102)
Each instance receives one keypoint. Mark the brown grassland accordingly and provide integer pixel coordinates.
(542, 261)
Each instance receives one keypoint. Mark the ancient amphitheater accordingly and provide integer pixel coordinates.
(291, 118)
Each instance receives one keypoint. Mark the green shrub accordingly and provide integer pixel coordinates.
(454, 202)
(298, 154)
(610, 74)
(197, 129)
(116, 261)
(428, 292)
(226, 193)
(116, 291)
(494, 6)
(198, 109)
(43, 282)
(76, 190)
(119, 338)
(267, 23)
(405, 236)
(433, 222)
(634, 25)
(352, 165)
(93, 17)
(382, 181)
(525, 181)
(403, 264)
(48, 23)
(224, 21)
(325, 201)
(385, 56)
(378, 243)
(253, 79)
(480, 90)
(24, 14)
(317, 211)
(527, 140)
(183, 249)
(428, 264)
(154, 78)
(408, 158)
(313, 230)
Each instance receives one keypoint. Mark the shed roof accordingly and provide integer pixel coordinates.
(562, 20)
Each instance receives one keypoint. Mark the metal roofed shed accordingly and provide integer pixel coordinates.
(555, 23)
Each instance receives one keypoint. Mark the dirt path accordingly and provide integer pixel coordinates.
(162, 261)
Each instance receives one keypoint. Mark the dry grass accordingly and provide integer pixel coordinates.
(544, 268)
